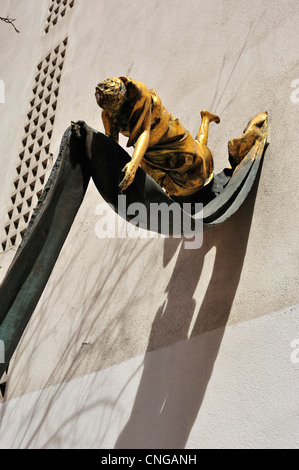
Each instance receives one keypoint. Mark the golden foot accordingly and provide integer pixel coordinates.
(257, 121)
(210, 116)
(238, 148)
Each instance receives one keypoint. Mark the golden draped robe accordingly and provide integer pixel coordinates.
(174, 159)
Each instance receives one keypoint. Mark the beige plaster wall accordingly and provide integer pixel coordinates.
(109, 300)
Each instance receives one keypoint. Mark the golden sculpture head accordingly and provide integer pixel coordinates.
(111, 94)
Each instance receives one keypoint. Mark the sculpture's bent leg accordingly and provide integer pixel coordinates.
(202, 135)
(38, 252)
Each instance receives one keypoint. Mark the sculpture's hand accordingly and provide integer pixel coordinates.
(130, 171)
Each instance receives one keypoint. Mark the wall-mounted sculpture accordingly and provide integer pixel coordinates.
(163, 148)
(167, 153)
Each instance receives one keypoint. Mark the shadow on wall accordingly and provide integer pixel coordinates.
(174, 379)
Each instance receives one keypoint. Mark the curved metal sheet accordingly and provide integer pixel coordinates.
(106, 174)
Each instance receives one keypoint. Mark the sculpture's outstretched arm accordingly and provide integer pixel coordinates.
(131, 167)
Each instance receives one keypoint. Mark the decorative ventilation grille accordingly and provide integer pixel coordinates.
(57, 10)
(34, 159)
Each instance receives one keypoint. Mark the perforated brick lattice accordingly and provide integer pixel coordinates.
(57, 10)
(34, 160)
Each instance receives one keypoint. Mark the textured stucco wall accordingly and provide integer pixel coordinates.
(175, 397)
(109, 301)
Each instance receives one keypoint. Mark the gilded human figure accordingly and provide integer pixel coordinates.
(163, 148)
